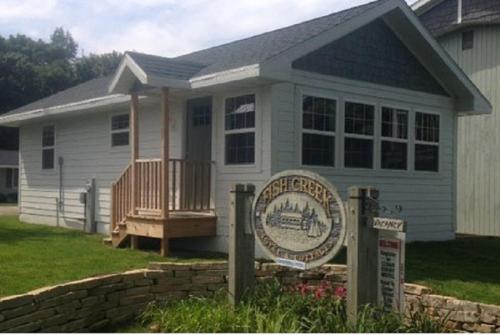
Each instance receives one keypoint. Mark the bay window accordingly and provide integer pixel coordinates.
(318, 131)
(359, 135)
(240, 130)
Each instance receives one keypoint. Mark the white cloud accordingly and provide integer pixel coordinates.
(165, 27)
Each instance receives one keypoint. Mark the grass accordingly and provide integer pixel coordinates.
(467, 268)
(33, 256)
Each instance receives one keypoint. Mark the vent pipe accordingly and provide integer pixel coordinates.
(459, 11)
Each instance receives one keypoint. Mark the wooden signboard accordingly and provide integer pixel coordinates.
(299, 219)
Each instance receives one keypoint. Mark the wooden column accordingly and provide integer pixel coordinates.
(165, 155)
(241, 242)
(362, 240)
(134, 145)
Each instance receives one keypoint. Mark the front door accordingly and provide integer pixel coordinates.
(199, 129)
(195, 193)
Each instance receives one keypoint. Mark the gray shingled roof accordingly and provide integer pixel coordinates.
(91, 89)
(165, 67)
(249, 51)
(259, 48)
(9, 158)
(440, 16)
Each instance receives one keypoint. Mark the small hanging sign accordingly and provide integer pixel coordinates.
(391, 263)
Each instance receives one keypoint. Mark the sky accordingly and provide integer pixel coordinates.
(163, 27)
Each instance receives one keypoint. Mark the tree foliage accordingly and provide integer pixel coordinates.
(33, 69)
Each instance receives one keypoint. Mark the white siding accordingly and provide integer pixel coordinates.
(478, 202)
(84, 142)
(427, 198)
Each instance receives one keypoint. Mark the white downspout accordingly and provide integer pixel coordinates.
(459, 11)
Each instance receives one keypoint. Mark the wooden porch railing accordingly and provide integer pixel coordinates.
(121, 198)
(190, 188)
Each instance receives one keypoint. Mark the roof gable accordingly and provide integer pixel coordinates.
(373, 54)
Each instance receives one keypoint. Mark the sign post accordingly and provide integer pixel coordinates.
(362, 241)
(241, 242)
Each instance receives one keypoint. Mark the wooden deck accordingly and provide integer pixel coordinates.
(137, 211)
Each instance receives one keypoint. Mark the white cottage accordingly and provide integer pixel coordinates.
(362, 96)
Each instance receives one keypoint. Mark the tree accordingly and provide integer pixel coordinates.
(33, 69)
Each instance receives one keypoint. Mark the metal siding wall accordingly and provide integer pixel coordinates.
(478, 172)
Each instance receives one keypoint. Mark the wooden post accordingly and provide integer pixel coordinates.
(165, 155)
(134, 141)
(362, 249)
(241, 242)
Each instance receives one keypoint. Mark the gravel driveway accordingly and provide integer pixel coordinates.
(8, 210)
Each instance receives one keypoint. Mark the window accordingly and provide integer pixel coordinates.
(318, 135)
(120, 129)
(11, 178)
(240, 130)
(201, 116)
(426, 142)
(394, 144)
(48, 147)
(359, 132)
(467, 40)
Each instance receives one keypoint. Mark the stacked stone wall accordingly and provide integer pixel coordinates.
(95, 303)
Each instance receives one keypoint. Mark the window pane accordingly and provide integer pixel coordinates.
(240, 112)
(8, 178)
(426, 157)
(394, 155)
(47, 159)
(318, 113)
(240, 148)
(358, 153)
(119, 122)
(119, 139)
(48, 136)
(467, 40)
(359, 118)
(201, 116)
(427, 127)
(394, 123)
(318, 150)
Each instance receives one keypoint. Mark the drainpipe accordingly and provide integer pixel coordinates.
(459, 11)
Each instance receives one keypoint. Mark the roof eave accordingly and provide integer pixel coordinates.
(16, 120)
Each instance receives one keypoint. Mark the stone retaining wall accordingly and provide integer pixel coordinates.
(94, 303)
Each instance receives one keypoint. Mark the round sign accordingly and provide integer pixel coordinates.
(299, 219)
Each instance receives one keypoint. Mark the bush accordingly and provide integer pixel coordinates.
(3, 198)
(271, 309)
(11, 198)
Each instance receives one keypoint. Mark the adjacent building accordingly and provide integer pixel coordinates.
(469, 30)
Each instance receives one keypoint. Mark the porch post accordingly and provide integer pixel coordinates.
(165, 155)
(134, 142)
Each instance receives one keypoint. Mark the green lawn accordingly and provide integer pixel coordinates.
(32, 256)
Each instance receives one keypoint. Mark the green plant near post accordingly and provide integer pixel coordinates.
(271, 309)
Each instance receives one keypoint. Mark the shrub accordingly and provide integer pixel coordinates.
(271, 309)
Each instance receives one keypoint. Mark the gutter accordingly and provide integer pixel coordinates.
(62, 109)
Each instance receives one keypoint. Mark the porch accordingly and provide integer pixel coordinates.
(162, 198)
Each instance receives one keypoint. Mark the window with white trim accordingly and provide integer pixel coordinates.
(240, 130)
(426, 142)
(394, 141)
(48, 147)
(120, 130)
(359, 135)
(318, 130)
